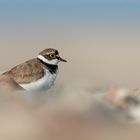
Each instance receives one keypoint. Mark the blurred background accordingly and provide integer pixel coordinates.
(101, 37)
(100, 40)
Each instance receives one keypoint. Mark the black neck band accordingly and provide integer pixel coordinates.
(52, 68)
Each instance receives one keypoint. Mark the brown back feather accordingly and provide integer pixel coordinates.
(26, 72)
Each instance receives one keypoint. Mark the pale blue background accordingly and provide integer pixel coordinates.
(27, 11)
(73, 19)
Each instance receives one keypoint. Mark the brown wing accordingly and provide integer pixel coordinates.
(26, 72)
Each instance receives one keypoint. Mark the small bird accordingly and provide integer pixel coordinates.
(37, 74)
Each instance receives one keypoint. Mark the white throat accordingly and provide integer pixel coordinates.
(52, 62)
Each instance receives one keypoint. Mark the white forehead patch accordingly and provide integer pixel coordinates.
(52, 62)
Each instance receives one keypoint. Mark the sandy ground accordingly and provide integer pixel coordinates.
(70, 110)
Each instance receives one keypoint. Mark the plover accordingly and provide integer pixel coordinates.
(39, 73)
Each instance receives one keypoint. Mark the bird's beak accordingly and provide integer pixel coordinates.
(61, 59)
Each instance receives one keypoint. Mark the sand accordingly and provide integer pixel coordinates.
(69, 109)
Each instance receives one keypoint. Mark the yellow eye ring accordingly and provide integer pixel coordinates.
(52, 55)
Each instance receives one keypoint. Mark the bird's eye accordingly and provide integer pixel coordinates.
(52, 55)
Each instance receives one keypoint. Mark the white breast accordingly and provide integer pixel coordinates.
(42, 84)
